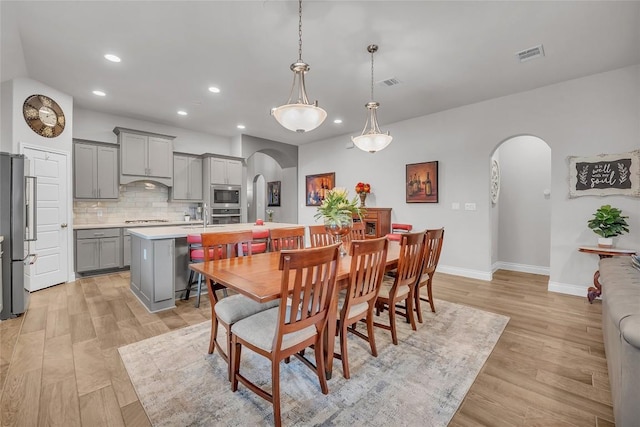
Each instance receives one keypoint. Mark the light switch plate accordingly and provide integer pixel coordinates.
(455, 206)
(469, 206)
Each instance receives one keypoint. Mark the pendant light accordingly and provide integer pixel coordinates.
(373, 139)
(299, 115)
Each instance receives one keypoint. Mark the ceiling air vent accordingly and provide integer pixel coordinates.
(389, 82)
(531, 53)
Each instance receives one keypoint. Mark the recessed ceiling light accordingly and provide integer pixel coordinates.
(214, 89)
(241, 127)
(112, 58)
(182, 113)
(99, 93)
(337, 121)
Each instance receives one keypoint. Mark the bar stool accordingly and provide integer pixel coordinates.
(196, 254)
(397, 229)
(260, 241)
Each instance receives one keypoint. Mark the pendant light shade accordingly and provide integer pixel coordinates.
(372, 139)
(299, 115)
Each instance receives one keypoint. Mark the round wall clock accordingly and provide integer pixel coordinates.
(43, 115)
(495, 181)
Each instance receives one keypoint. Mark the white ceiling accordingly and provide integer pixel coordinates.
(446, 54)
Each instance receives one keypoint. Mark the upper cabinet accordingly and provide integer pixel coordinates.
(95, 168)
(145, 155)
(226, 171)
(187, 178)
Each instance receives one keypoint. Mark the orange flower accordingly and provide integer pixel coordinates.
(363, 187)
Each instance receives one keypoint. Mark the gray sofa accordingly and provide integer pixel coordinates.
(621, 330)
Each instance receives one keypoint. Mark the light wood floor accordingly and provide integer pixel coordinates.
(59, 363)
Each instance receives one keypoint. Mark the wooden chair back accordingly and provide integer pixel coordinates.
(319, 236)
(368, 259)
(410, 260)
(432, 249)
(225, 244)
(287, 238)
(308, 289)
(357, 233)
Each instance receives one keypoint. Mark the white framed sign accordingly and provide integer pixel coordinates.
(605, 175)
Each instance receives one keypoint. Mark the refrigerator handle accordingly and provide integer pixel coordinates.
(31, 217)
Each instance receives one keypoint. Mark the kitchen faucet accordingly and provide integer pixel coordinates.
(205, 216)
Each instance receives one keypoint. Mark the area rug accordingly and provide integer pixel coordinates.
(421, 381)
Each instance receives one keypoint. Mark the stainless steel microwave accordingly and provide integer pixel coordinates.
(225, 196)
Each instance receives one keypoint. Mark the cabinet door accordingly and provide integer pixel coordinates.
(160, 154)
(110, 252)
(84, 168)
(218, 171)
(136, 262)
(234, 172)
(87, 255)
(181, 177)
(126, 251)
(134, 154)
(195, 179)
(107, 174)
(163, 262)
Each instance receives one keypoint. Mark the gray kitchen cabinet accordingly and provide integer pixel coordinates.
(98, 249)
(152, 272)
(145, 155)
(226, 171)
(95, 169)
(126, 250)
(187, 178)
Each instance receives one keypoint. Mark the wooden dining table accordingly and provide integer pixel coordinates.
(258, 277)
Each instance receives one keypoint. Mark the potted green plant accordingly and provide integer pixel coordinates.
(337, 211)
(608, 222)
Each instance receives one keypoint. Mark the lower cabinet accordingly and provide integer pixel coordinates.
(377, 222)
(98, 249)
(152, 272)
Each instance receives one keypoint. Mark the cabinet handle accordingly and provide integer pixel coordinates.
(98, 234)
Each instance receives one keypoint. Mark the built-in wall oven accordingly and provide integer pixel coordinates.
(225, 204)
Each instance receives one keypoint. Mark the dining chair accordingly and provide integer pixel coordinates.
(368, 259)
(357, 232)
(308, 290)
(287, 238)
(402, 285)
(319, 236)
(432, 248)
(229, 310)
(260, 242)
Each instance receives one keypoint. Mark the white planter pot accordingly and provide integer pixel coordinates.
(605, 242)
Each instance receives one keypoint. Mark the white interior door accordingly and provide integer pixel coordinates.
(260, 195)
(52, 244)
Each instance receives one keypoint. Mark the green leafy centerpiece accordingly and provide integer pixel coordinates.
(607, 223)
(338, 211)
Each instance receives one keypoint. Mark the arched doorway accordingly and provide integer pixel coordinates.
(521, 212)
(258, 198)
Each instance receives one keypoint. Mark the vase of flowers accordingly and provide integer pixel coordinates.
(270, 215)
(337, 211)
(363, 188)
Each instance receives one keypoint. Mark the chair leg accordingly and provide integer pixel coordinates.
(343, 349)
(214, 333)
(235, 365)
(416, 299)
(199, 291)
(320, 367)
(433, 308)
(229, 350)
(409, 306)
(275, 392)
(372, 336)
(392, 322)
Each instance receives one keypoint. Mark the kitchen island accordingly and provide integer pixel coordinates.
(160, 260)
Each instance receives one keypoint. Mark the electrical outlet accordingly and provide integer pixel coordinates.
(455, 206)
(469, 206)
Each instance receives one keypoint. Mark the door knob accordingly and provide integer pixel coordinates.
(63, 225)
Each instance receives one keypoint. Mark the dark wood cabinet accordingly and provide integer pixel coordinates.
(377, 222)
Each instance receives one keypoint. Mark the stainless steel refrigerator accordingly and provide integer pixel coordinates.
(18, 226)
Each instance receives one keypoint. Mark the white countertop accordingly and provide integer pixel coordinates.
(158, 233)
(137, 224)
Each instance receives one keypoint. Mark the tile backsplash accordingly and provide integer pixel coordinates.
(138, 200)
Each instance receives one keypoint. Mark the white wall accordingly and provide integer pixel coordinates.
(586, 116)
(96, 126)
(524, 210)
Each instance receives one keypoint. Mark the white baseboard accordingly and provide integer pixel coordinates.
(522, 268)
(568, 288)
(465, 272)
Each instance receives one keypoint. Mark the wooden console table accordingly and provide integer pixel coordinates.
(596, 290)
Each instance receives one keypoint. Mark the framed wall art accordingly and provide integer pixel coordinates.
(421, 184)
(317, 187)
(273, 193)
(605, 175)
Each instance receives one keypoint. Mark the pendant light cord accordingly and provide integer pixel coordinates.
(372, 75)
(299, 30)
